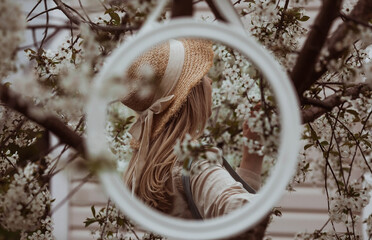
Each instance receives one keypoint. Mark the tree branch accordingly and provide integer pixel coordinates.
(52, 123)
(33, 9)
(41, 13)
(68, 13)
(37, 26)
(317, 103)
(362, 12)
(215, 11)
(314, 43)
(182, 8)
(312, 113)
(75, 20)
(280, 25)
(50, 36)
(357, 21)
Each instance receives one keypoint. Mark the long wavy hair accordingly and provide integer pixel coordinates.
(155, 188)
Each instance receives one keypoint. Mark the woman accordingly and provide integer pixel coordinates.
(178, 104)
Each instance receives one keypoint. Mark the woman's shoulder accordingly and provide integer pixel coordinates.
(214, 154)
(211, 159)
(211, 156)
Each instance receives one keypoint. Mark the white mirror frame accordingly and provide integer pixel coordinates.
(237, 221)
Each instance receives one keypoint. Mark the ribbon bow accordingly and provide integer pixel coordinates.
(141, 130)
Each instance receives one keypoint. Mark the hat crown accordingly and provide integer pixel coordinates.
(144, 75)
(172, 74)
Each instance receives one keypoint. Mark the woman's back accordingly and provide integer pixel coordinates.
(179, 105)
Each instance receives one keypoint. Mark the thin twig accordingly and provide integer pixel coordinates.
(10, 162)
(46, 29)
(312, 113)
(77, 21)
(357, 144)
(280, 25)
(362, 11)
(77, 13)
(317, 102)
(340, 162)
(41, 13)
(47, 39)
(326, 187)
(33, 9)
(215, 11)
(70, 160)
(52, 172)
(34, 38)
(56, 159)
(313, 45)
(352, 221)
(105, 223)
(331, 146)
(326, 153)
(82, 8)
(71, 193)
(358, 56)
(324, 225)
(50, 122)
(357, 21)
(37, 26)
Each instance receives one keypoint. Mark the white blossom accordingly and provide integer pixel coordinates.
(24, 203)
(12, 26)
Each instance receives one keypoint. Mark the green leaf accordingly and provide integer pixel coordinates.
(304, 18)
(354, 113)
(306, 167)
(29, 50)
(120, 221)
(89, 221)
(115, 17)
(346, 169)
(129, 120)
(297, 15)
(93, 211)
(308, 146)
(314, 136)
(243, 13)
(271, 98)
(8, 235)
(73, 57)
(109, 10)
(277, 212)
(367, 143)
(334, 153)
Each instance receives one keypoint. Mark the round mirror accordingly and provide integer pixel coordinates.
(238, 80)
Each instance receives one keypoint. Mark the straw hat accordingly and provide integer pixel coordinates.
(176, 66)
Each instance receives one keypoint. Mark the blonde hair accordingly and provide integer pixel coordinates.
(155, 188)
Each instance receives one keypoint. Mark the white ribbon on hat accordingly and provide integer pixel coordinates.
(141, 130)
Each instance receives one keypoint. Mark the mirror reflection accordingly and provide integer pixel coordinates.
(196, 133)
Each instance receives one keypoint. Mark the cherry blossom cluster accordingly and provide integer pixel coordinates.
(240, 93)
(12, 34)
(118, 137)
(25, 203)
(277, 28)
